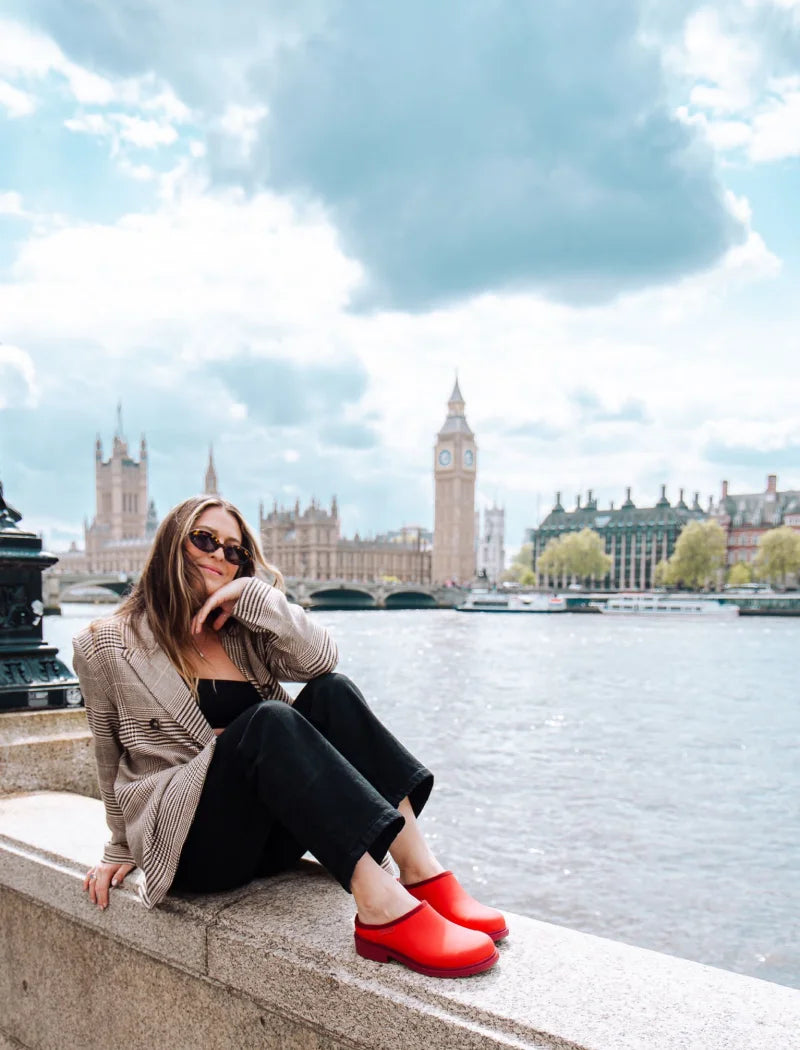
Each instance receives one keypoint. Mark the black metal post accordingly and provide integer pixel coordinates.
(31, 675)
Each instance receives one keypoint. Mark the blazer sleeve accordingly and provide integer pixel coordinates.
(101, 713)
(295, 649)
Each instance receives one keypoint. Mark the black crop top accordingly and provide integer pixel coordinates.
(221, 700)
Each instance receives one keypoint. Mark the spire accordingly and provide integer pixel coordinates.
(210, 488)
(119, 431)
(456, 421)
(456, 401)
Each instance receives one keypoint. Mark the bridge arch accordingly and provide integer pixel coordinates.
(410, 599)
(341, 597)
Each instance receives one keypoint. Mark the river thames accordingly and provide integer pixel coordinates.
(640, 781)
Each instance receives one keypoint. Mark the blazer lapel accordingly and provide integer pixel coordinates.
(157, 674)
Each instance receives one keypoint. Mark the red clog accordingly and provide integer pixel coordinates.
(426, 942)
(446, 894)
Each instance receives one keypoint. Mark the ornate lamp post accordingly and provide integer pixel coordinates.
(31, 675)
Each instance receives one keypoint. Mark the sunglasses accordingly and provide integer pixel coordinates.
(207, 542)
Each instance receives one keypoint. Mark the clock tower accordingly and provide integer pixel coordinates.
(454, 466)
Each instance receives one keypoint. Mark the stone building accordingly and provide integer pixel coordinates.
(210, 487)
(491, 554)
(636, 538)
(121, 532)
(748, 516)
(455, 465)
(308, 544)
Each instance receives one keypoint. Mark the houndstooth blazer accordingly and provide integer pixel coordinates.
(152, 743)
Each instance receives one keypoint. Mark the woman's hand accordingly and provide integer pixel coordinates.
(99, 878)
(224, 599)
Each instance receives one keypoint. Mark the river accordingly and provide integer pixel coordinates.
(636, 780)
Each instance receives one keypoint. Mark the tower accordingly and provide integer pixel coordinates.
(210, 488)
(454, 466)
(121, 488)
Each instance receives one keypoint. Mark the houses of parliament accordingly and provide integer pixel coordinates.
(307, 543)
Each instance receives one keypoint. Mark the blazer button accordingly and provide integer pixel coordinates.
(154, 723)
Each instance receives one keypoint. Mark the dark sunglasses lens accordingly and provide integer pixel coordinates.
(204, 541)
(236, 555)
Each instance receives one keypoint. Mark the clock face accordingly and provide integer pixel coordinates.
(445, 457)
(469, 457)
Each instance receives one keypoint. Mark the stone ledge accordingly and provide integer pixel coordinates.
(285, 946)
(50, 749)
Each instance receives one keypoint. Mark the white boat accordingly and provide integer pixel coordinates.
(662, 605)
(501, 602)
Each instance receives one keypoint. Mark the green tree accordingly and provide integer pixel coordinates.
(739, 573)
(578, 554)
(661, 576)
(699, 555)
(778, 554)
(521, 568)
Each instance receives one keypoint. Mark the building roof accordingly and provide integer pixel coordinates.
(758, 509)
(626, 516)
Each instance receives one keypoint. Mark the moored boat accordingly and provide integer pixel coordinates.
(502, 602)
(663, 605)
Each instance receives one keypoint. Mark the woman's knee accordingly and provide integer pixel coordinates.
(332, 688)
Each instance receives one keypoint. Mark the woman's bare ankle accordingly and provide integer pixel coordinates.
(378, 895)
(412, 873)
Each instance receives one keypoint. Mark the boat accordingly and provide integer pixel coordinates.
(663, 605)
(479, 600)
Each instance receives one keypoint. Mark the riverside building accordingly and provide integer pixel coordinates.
(748, 516)
(308, 544)
(636, 538)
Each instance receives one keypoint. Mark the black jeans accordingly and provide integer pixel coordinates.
(323, 775)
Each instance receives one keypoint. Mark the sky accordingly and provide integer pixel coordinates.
(284, 228)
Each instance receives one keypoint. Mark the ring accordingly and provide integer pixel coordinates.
(92, 875)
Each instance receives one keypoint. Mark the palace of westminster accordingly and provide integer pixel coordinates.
(307, 544)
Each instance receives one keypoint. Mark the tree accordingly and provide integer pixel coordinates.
(661, 576)
(778, 554)
(578, 554)
(739, 573)
(698, 556)
(521, 568)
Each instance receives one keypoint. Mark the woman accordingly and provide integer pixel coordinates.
(212, 776)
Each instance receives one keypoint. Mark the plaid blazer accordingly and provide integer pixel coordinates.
(152, 743)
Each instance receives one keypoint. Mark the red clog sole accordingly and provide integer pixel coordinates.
(380, 953)
(500, 935)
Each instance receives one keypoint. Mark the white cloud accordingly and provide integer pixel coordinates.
(17, 103)
(11, 204)
(776, 127)
(18, 384)
(240, 125)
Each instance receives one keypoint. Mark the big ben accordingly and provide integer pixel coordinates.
(454, 466)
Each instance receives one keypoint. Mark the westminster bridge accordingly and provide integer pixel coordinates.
(311, 594)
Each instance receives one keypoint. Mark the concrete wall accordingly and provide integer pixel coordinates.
(273, 966)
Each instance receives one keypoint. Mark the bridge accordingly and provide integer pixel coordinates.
(311, 594)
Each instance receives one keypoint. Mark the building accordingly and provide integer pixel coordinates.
(636, 538)
(454, 466)
(747, 517)
(491, 551)
(121, 532)
(210, 484)
(308, 544)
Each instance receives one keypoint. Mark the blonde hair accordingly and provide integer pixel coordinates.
(171, 587)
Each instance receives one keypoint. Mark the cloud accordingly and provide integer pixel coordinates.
(446, 143)
(17, 103)
(435, 143)
(280, 392)
(592, 409)
(18, 384)
(11, 204)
